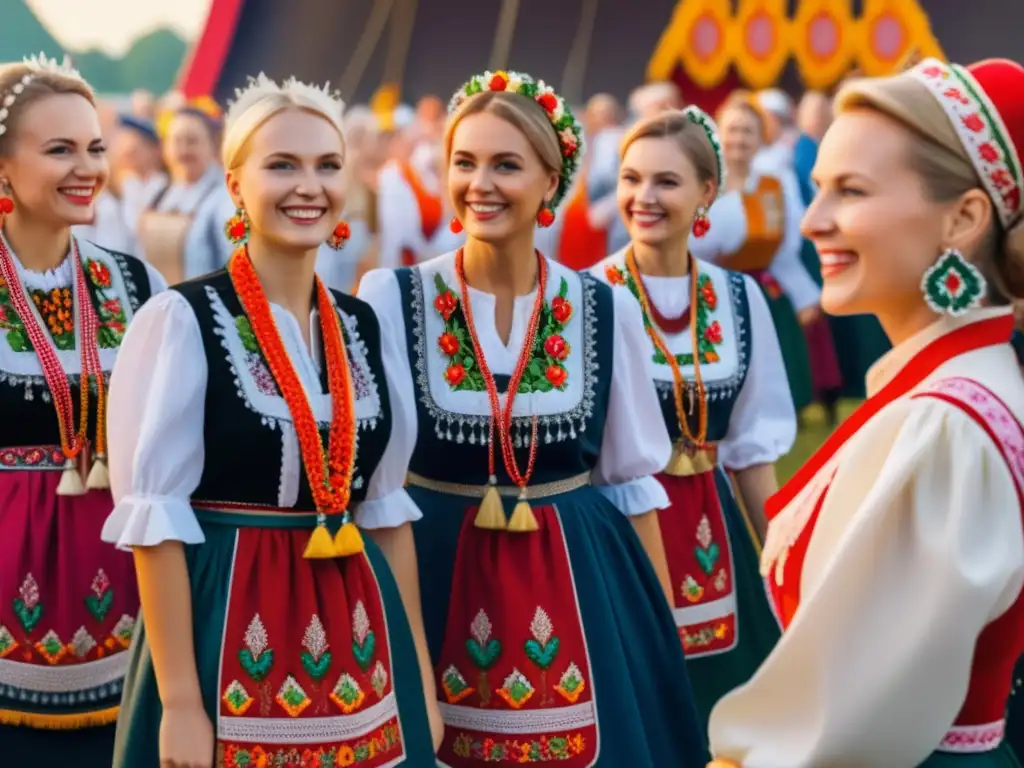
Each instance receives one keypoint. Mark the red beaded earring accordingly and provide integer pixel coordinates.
(339, 236)
(237, 227)
(455, 225)
(6, 206)
(701, 224)
(545, 217)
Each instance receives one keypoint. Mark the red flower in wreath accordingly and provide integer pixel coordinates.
(445, 304)
(556, 347)
(449, 343)
(707, 292)
(614, 275)
(499, 82)
(561, 310)
(100, 274)
(455, 374)
(548, 101)
(713, 333)
(556, 374)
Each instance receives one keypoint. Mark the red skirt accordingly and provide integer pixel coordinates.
(68, 600)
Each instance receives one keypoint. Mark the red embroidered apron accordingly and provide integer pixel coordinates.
(306, 653)
(515, 682)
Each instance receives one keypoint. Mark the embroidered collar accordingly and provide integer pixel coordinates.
(893, 361)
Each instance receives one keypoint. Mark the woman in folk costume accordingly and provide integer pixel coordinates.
(274, 633)
(67, 601)
(755, 228)
(539, 432)
(727, 407)
(182, 232)
(896, 554)
(410, 209)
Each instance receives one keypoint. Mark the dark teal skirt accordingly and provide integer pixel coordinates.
(568, 619)
(757, 629)
(31, 747)
(212, 566)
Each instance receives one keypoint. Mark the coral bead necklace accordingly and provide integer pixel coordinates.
(678, 382)
(329, 472)
(86, 325)
(491, 515)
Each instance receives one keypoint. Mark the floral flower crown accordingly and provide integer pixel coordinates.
(698, 116)
(567, 128)
(37, 64)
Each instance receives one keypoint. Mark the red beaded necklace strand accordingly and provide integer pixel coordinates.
(491, 514)
(87, 331)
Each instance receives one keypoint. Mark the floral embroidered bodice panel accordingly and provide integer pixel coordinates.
(723, 338)
(52, 299)
(559, 383)
(255, 384)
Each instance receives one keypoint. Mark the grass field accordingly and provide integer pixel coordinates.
(814, 432)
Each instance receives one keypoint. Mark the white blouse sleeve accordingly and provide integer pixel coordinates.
(636, 444)
(387, 503)
(787, 267)
(763, 423)
(155, 426)
(915, 551)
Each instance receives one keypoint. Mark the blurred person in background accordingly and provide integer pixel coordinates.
(182, 232)
(584, 236)
(603, 173)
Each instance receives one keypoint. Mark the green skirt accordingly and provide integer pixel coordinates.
(794, 347)
(300, 661)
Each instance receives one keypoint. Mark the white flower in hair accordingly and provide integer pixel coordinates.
(261, 86)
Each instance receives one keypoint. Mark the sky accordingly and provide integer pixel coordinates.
(112, 25)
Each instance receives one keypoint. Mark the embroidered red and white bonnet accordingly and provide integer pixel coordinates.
(985, 104)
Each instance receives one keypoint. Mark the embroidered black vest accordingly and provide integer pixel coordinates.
(251, 450)
(451, 446)
(118, 285)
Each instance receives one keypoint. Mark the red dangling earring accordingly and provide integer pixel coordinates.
(701, 224)
(455, 225)
(545, 217)
(6, 207)
(237, 228)
(339, 236)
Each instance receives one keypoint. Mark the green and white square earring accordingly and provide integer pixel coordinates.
(952, 285)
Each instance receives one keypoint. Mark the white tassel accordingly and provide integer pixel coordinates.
(71, 480)
(99, 476)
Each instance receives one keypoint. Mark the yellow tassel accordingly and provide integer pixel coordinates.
(321, 545)
(99, 477)
(71, 480)
(523, 520)
(686, 463)
(348, 541)
(491, 515)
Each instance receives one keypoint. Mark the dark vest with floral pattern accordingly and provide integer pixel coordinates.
(451, 444)
(724, 346)
(118, 285)
(252, 454)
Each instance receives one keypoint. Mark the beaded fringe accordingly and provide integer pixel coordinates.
(59, 722)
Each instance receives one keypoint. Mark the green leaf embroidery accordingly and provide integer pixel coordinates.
(100, 606)
(257, 669)
(542, 655)
(364, 653)
(28, 618)
(707, 558)
(484, 657)
(316, 669)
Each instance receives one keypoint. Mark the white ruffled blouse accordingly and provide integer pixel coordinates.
(155, 433)
(918, 546)
(762, 425)
(636, 443)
